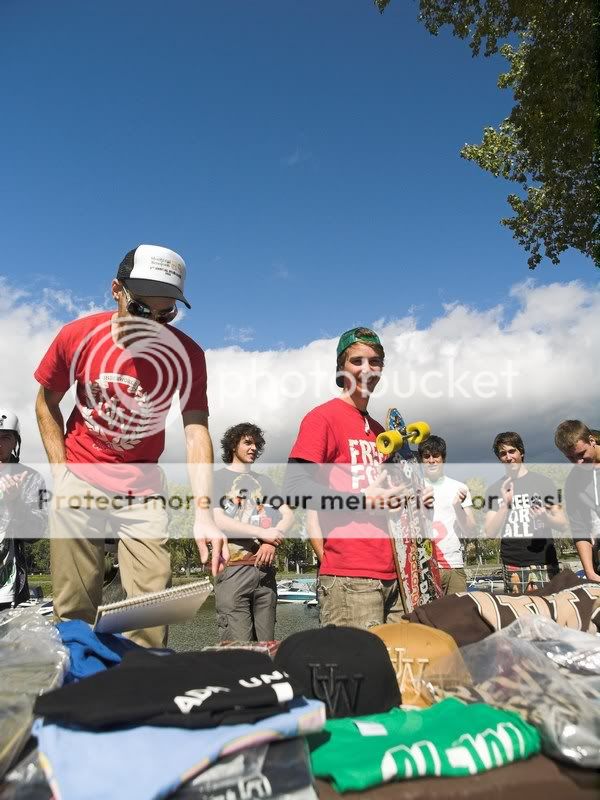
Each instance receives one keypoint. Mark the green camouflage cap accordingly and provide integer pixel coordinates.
(351, 337)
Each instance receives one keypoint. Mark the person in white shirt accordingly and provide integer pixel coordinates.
(453, 517)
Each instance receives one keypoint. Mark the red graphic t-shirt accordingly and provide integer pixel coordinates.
(123, 395)
(356, 543)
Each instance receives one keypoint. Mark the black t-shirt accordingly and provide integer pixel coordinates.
(526, 540)
(248, 497)
(183, 690)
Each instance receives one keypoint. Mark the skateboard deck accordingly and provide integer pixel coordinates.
(410, 528)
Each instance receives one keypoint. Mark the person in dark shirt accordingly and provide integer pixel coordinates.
(248, 509)
(523, 512)
(581, 445)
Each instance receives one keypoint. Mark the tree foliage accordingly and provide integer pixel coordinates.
(38, 556)
(548, 145)
(182, 545)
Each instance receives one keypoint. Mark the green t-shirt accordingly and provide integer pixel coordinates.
(448, 739)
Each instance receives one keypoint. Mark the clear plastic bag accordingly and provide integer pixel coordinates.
(26, 781)
(32, 660)
(276, 770)
(543, 671)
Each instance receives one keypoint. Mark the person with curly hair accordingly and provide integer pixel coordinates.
(248, 510)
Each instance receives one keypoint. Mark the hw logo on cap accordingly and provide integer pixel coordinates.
(337, 690)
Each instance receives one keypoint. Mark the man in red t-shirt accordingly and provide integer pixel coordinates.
(126, 367)
(357, 582)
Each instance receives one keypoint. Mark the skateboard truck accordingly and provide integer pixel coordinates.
(389, 442)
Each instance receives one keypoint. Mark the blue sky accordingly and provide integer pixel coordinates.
(303, 157)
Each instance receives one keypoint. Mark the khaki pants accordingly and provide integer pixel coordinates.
(77, 562)
(453, 580)
(358, 602)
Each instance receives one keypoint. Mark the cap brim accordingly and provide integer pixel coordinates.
(146, 288)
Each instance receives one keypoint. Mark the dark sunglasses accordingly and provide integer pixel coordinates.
(138, 309)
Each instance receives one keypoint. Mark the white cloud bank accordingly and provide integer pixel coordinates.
(469, 373)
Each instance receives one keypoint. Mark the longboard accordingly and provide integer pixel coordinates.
(410, 528)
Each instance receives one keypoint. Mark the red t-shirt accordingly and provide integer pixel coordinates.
(123, 396)
(355, 543)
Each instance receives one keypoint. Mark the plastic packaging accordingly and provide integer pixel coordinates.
(26, 781)
(543, 671)
(32, 660)
(277, 770)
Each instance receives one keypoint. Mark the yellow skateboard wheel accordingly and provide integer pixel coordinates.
(388, 442)
(420, 432)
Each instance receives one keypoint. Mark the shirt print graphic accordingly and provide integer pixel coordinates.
(519, 524)
(364, 460)
(117, 411)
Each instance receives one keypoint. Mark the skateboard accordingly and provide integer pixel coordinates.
(410, 528)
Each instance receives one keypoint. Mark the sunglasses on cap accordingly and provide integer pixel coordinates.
(138, 309)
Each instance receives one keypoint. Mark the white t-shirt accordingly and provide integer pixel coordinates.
(447, 542)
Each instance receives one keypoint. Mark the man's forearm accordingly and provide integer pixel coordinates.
(466, 521)
(584, 550)
(316, 542)
(493, 524)
(51, 425)
(200, 468)
(287, 519)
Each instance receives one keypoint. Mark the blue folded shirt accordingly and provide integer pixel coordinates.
(146, 762)
(91, 652)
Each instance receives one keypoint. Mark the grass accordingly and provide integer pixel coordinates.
(45, 581)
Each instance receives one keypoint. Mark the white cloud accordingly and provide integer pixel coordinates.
(470, 373)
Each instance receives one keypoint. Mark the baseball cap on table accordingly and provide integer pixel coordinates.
(354, 336)
(347, 668)
(413, 649)
(153, 271)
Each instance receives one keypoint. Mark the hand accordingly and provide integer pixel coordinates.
(541, 512)
(377, 497)
(10, 486)
(272, 536)
(427, 498)
(592, 576)
(507, 490)
(264, 555)
(459, 497)
(208, 535)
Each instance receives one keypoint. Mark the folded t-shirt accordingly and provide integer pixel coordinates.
(448, 739)
(191, 690)
(149, 762)
(471, 617)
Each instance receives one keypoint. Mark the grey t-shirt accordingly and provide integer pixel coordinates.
(582, 498)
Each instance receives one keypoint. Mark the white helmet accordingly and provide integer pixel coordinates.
(9, 421)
